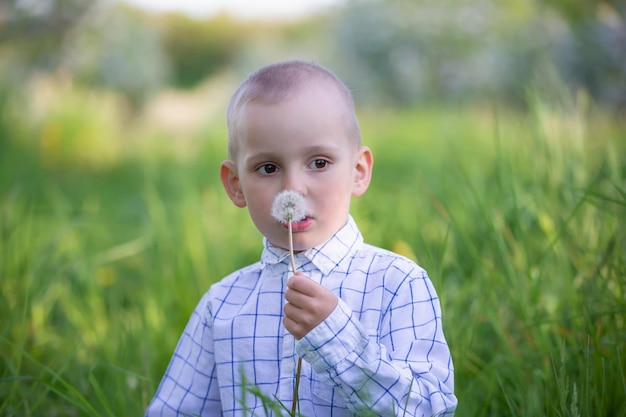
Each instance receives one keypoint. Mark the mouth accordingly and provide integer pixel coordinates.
(299, 226)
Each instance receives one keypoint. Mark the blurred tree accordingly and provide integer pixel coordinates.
(403, 52)
(91, 41)
(200, 48)
(575, 11)
(117, 47)
(592, 55)
(407, 53)
(33, 31)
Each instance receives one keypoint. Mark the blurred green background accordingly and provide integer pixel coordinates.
(499, 136)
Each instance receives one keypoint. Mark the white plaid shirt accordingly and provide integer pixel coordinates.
(381, 349)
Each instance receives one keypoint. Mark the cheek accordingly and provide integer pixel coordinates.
(259, 203)
(335, 196)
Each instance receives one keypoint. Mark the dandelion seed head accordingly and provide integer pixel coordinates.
(289, 205)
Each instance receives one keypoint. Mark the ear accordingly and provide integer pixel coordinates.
(230, 181)
(362, 171)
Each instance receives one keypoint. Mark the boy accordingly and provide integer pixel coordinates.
(366, 321)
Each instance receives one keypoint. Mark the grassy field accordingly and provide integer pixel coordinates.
(110, 232)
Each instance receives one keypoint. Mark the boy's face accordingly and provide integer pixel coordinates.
(299, 144)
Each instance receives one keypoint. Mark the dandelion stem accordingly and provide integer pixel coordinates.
(294, 402)
(293, 260)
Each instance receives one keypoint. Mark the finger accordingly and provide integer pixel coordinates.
(294, 328)
(297, 280)
(304, 319)
(303, 284)
(293, 312)
(297, 298)
(300, 316)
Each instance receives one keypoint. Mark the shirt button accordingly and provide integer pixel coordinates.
(288, 366)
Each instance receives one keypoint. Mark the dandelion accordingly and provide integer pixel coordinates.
(289, 207)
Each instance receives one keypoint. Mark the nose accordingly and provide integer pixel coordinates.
(294, 180)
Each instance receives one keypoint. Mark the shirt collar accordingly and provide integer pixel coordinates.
(325, 256)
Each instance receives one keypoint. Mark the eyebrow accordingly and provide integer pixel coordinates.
(312, 150)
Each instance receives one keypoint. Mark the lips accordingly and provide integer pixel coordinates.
(300, 226)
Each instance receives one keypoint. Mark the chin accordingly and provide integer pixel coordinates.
(304, 244)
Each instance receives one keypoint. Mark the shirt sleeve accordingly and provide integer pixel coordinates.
(189, 386)
(408, 372)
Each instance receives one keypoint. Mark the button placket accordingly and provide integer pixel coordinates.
(288, 354)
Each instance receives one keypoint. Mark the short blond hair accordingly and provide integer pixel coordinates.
(276, 82)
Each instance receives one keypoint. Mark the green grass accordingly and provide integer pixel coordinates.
(518, 217)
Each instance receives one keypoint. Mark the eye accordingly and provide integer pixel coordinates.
(267, 169)
(319, 164)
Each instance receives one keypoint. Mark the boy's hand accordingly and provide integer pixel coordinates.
(308, 304)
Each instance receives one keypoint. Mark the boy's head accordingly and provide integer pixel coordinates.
(280, 81)
(292, 126)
